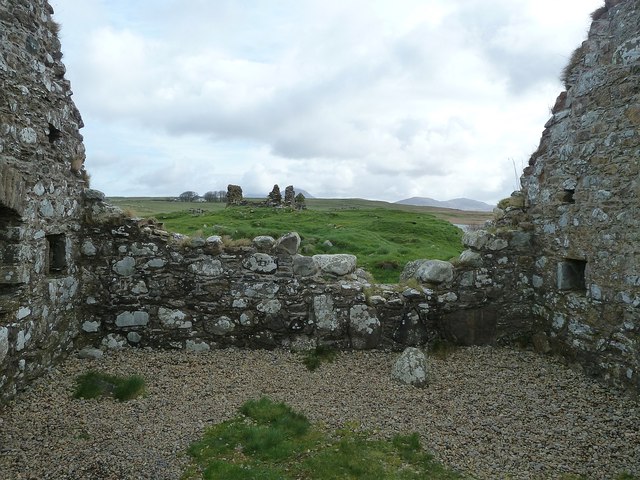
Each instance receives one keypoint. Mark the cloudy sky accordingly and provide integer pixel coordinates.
(379, 99)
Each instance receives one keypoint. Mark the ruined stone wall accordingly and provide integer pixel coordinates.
(582, 193)
(145, 287)
(153, 289)
(40, 202)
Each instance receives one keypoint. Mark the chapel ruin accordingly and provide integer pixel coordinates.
(558, 269)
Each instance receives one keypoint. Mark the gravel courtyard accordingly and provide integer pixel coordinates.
(489, 413)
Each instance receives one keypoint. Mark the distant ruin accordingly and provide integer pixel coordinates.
(274, 198)
(558, 269)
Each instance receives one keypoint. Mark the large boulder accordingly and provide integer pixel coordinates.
(435, 271)
(339, 264)
(428, 271)
(264, 242)
(411, 368)
(288, 243)
(476, 239)
(470, 258)
(304, 266)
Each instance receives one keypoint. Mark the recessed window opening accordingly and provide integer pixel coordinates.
(571, 274)
(54, 134)
(8, 217)
(567, 196)
(57, 250)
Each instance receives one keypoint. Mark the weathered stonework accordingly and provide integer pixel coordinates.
(41, 155)
(557, 269)
(582, 193)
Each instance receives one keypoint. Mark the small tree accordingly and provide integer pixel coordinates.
(211, 196)
(188, 196)
(300, 202)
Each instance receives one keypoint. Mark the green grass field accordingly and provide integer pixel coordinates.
(383, 236)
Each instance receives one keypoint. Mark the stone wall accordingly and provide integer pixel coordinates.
(146, 287)
(582, 191)
(41, 156)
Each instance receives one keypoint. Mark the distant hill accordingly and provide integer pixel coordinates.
(456, 203)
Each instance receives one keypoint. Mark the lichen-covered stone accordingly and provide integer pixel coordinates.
(325, 315)
(411, 368)
(125, 267)
(90, 353)
(132, 319)
(4, 342)
(90, 326)
(173, 318)
(470, 258)
(304, 266)
(207, 267)
(134, 337)
(264, 242)
(365, 328)
(261, 263)
(288, 243)
(476, 239)
(339, 264)
(114, 341)
(434, 271)
(196, 346)
(221, 326)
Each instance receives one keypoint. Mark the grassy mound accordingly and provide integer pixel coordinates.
(271, 441)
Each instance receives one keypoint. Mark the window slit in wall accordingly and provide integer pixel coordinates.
(571, 274)
(567, 196)
(54, 134)
(57, 254)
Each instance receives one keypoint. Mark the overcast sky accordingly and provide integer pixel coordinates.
(379, 99)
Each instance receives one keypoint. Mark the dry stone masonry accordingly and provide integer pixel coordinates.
(41, 205)
(582, 198)
(558, 268)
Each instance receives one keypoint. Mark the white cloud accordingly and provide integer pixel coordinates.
(370, 98)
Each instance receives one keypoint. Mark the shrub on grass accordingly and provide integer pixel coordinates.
(98, 384)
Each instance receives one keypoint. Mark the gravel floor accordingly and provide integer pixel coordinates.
(490, 413)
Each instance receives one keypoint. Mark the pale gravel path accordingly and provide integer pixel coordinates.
(490, 413)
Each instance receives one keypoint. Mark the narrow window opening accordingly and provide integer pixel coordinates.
(567, 196)
(57, 247)
(571, 274)
(54, 134)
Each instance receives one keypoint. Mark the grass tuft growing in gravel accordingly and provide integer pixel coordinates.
(98, 384)
(269, 440)
(315, 357)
